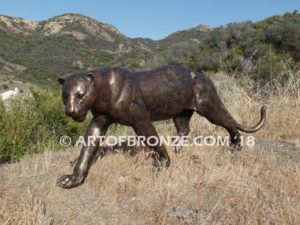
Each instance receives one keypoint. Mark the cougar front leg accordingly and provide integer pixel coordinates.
(96, 129)
(181, 122)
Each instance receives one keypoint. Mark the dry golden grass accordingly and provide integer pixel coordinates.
(204, 185)
(22, 209)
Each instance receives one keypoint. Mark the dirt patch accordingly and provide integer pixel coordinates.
(284, 153)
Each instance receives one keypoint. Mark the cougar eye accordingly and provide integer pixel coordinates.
(80, 96)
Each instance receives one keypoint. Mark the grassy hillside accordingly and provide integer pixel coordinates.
(204, 185)
(64, 44)
(48, 49)
(251, 64)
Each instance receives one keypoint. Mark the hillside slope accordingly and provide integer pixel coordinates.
(203, 186)
(71, 42)
(60, 45)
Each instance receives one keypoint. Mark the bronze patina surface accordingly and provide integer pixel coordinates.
(116, 95)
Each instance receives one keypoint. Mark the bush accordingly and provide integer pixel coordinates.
(31, 124)
(259, 50)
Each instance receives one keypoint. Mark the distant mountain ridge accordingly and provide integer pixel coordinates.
(40, 52)
(69, 42)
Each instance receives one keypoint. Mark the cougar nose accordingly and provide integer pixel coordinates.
(69, 110)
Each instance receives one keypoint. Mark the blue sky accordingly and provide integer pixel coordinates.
(153, 19)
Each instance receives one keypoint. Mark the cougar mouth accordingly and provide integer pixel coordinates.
(79, 118)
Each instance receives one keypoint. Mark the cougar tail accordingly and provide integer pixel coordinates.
(258, 126)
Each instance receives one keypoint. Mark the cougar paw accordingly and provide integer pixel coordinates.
(235, 147)
(69, 181)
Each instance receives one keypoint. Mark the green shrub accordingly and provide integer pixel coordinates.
(32, 124)
(265, 51)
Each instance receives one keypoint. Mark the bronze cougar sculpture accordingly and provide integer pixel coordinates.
(116, 95)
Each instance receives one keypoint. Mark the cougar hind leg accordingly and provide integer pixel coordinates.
(211, 107)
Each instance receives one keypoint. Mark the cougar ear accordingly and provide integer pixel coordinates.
(61, 81)
(90, 77)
